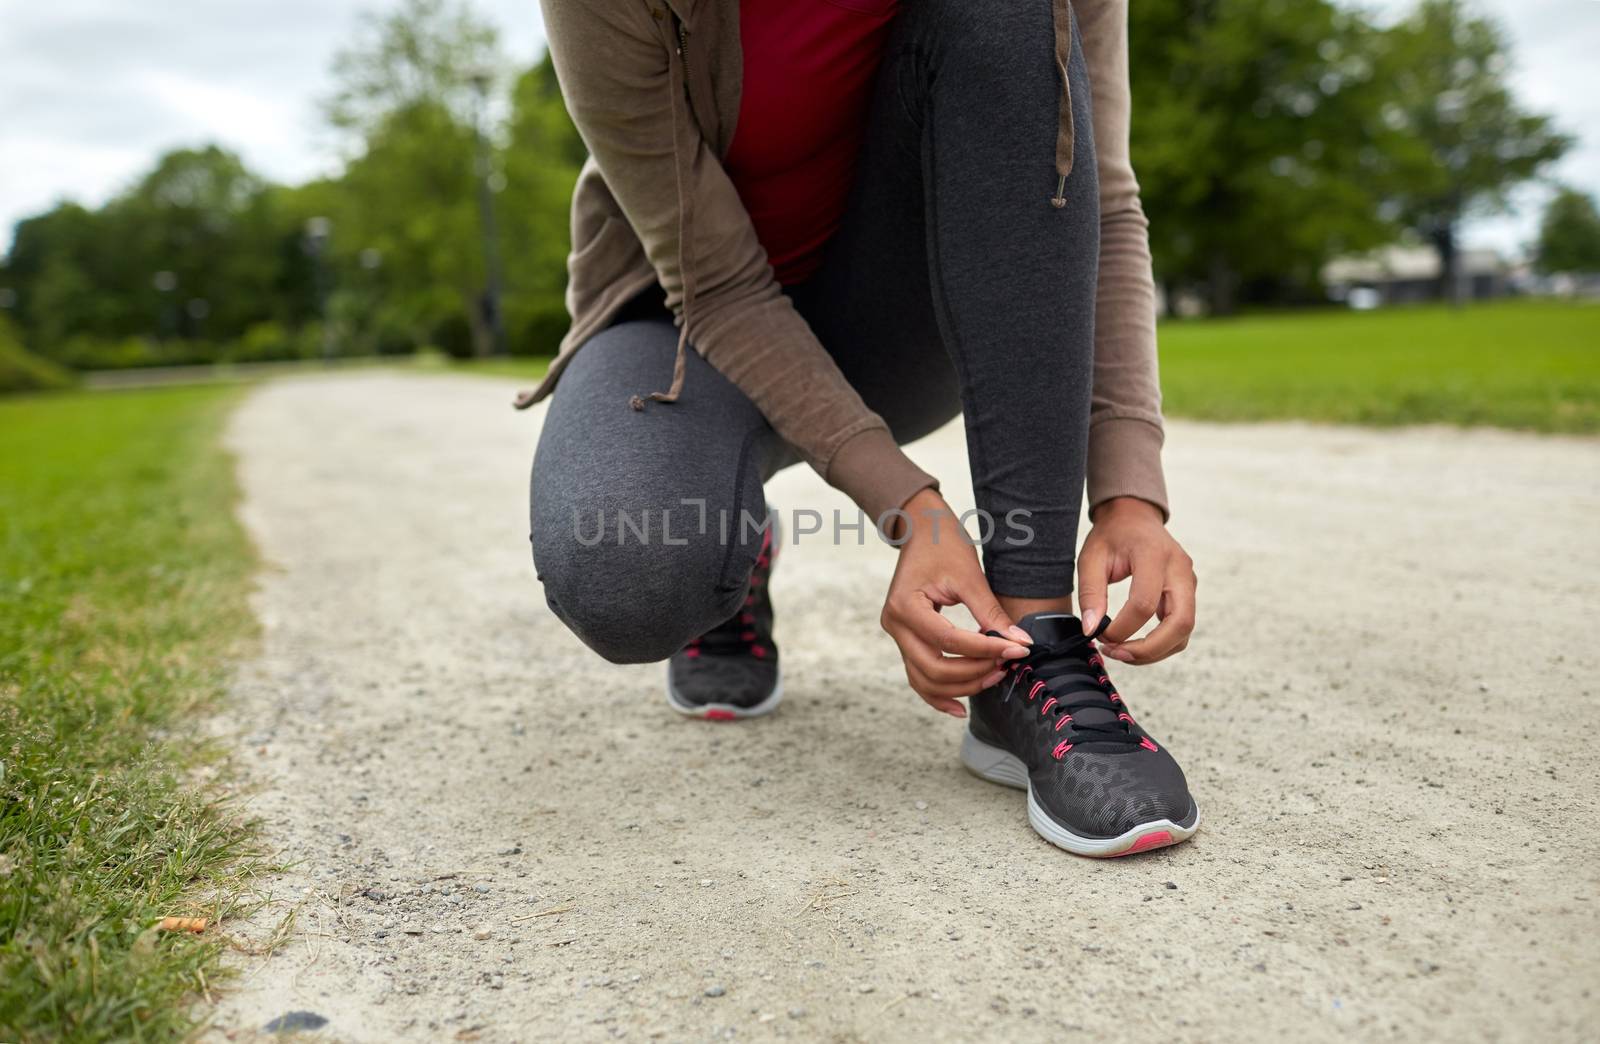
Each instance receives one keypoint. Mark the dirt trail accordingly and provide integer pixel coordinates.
(1387, 716)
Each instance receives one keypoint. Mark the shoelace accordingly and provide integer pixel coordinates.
(1078, 672)
(736, 636)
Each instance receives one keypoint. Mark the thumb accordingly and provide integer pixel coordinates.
(1093, 569)
(985, 608)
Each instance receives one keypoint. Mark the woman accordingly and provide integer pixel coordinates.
(819, 229)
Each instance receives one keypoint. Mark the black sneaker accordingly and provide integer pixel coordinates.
(1097, 784)
(731, 671)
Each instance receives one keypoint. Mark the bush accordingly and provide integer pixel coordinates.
(21, 370)
(537, 330)
(453, 336)
(271, 342)
(86, 352)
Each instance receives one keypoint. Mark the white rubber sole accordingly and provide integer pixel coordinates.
(999, 766)
(724, 711)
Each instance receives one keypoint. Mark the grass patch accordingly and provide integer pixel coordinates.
(528, 368)
(123, 584)
(1523, 364)
(1529, 364)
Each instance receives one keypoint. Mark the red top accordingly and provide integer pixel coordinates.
(808, 72)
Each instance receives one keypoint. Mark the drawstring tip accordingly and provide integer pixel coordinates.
(1059, 200)
(636, 403)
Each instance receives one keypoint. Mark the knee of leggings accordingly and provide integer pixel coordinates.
(630, 611)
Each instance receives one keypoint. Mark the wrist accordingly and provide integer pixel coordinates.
(1127, 509)
(925, 516)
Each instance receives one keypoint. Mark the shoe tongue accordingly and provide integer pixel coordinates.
(1050, 628)
(1055, 628)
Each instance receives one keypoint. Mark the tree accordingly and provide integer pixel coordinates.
(406, 97)
(191, 252)
(203, 219)
(1569, 235)
(1255, 139)
(542, 157)
(1462, 142)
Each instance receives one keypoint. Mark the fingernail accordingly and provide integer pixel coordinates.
(993, 679)
(1116, 652)
(1019, 634)
(957, 711)
(1091, 619)
(1013, 652)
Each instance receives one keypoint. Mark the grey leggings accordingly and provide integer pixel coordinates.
(952, 286)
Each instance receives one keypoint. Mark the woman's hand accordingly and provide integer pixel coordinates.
(1130, 539)
(938, 567)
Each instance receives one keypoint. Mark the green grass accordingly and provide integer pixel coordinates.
(123, 581)
(1526, 364)
(528, 369)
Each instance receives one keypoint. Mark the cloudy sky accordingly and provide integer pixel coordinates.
(92, 90)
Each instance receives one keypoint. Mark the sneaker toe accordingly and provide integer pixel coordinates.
(1107, 795)
(729, 681)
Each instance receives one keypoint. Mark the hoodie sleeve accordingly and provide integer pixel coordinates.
(622, 77)
(1125, 426)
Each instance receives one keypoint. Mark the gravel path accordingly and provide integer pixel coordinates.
(1387, 717)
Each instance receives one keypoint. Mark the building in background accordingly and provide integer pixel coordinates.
(1402, 274)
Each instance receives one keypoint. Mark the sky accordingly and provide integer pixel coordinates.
(91, 91)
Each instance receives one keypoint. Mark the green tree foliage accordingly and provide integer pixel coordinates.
(1569, 235)
(1461, 141)
(542, 157)
(21, 370)
(406, 96)
(193, 252)
(203, 260)
(1256, 139)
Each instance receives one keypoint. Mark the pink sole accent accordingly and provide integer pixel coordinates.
(1158, 839)
(721, 715)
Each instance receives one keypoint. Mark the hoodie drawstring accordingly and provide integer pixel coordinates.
(1061, 10)
(678, 83)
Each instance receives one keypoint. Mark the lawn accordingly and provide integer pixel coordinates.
(1514, 364)
(1528, 364)
(123, 581)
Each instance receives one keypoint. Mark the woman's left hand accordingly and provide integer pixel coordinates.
(1129, 538)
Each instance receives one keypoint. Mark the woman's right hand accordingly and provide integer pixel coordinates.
(939, 567)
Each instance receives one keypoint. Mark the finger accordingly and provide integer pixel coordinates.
(932, 627)
(1172, 634)
(941, 669)
(1144, 597)
(935, 692)
(1094, 566)
(974, 593)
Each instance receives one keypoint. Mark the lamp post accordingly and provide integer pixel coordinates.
(165, 283)
(489, 305)
(318, 231)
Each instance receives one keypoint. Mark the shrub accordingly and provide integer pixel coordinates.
(537, 329)
(21, 370)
